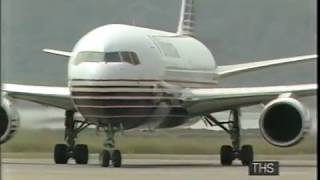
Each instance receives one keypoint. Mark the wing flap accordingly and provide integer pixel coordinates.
(46, 95)
(203, 101)
(227, 70)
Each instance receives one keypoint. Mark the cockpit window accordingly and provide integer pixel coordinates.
(112, 57)
(129, 57)
(109, 57)
(88, 56)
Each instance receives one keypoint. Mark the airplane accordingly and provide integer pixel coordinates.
(123, 77)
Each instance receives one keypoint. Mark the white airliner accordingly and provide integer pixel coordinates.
(123, 77)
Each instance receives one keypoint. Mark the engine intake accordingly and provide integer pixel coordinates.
(9, 120)
(284, 121)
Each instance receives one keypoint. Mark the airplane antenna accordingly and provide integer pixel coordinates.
(186, 22)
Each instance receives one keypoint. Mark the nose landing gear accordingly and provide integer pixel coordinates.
(110, 154)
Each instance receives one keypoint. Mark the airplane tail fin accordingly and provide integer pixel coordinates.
(186, 22)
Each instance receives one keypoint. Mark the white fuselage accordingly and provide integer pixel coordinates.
(105, 87)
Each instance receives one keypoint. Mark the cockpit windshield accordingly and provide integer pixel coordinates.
(109, 57)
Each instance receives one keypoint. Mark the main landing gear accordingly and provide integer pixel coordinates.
(229, 153)
(109, 153)
(79, 152)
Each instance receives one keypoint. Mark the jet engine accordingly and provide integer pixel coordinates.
(284, 121)
(9, 120)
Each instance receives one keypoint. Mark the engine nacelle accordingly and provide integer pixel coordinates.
(9, 120)
(284, 121)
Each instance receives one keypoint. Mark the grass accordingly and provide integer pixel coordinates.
(158, 142)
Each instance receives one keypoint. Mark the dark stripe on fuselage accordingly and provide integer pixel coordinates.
(146, 80)
(181, 83)
(138, 103)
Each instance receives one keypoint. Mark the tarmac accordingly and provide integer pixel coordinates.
(154, 167)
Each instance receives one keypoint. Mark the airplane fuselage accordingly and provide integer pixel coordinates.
(132, 75)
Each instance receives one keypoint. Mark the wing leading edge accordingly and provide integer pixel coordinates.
(58, 52)
(204, 101)
(227, 70)
(197, 101)
(46, 95)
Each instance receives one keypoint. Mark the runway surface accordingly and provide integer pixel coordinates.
(149, 167)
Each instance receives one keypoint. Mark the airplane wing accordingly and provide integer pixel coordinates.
(197, 101)
(227, 70)
(57, 52)
(46, 95)
(204, 101)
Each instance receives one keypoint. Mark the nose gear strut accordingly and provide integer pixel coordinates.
(109, 153)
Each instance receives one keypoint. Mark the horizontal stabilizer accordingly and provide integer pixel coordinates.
(57, 52)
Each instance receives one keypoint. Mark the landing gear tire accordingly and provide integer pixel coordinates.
(80, 154)
(229, 153)
(105, 158)
(226, 155)
(61, 154)
(116, 158)
(246, 154)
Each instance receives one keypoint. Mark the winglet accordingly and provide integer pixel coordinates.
(186, 22)
(57, 52)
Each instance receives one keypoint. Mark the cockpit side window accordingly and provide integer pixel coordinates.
(129, 57)
(125, 57)
(135, 59)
